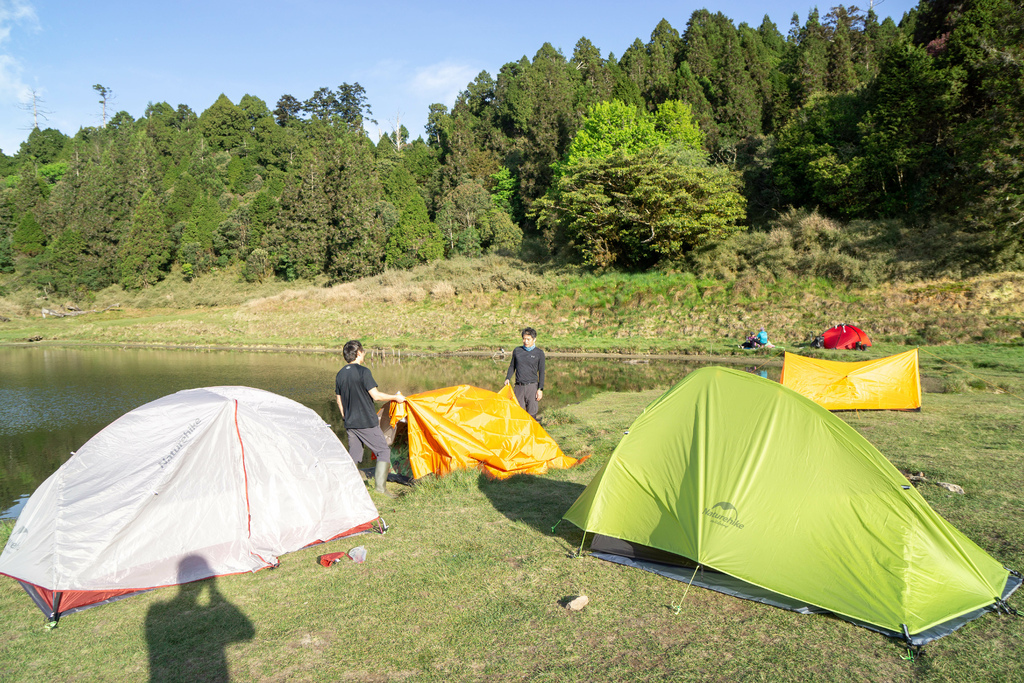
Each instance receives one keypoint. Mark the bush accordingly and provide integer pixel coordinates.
(804, 244)
(955, 384)
(257, 265)
(194, 259)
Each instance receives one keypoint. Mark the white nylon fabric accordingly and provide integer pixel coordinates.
(158, 497)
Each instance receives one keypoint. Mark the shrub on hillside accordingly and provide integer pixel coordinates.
(803, 244)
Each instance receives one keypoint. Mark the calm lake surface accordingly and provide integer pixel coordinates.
(53, 400)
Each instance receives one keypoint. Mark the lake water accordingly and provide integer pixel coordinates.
(53, 400)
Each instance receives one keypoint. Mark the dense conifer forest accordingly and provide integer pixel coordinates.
(840, 147)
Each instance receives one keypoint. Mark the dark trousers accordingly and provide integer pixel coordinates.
(372, 438)
(526, 394)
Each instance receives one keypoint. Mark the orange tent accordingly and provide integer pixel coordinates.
(890, 383)
(465, 427)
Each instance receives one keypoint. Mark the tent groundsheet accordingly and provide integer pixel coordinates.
(890, 383)
(204, 482)
(465, 427)
(748, 478)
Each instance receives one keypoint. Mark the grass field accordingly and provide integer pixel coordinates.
(469, 583)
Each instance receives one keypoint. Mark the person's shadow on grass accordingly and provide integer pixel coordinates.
(187, 635)
(534, 500)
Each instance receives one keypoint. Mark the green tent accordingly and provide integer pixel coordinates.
(778, 500)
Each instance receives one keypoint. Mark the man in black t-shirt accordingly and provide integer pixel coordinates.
(355, 391)
(528, 367)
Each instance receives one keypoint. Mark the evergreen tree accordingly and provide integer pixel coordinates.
(635, 66)
(28, 238)
(713, 51)
(262, 215)
(691, 91)
(548, 122)
(224, 125)
(202, 222)
(254, 109)
(663, 52)
(978, 46)
(299, 243)
(353, 106)
(144, 254)
(594, 80)
(289, 110)
(109, 170)
(415, 239)
(763, 51)
(43, 146)
(624, 89)
(64, 266)
(842, 68)
(903, 129)
(438, 127)
(810, 59)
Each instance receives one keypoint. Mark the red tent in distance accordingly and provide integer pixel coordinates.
(846, 337)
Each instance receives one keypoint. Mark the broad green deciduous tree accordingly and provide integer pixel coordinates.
(633, 210)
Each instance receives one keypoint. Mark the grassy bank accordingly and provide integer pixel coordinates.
(469, 583)
(481, 304)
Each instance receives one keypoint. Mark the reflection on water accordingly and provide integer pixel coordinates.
(53, 400)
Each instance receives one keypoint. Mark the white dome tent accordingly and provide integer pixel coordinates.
(204, 482)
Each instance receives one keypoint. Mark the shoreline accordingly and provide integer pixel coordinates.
(398, 353)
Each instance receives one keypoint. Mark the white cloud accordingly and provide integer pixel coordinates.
(15, 12)
(13, 90)
(442, 82)
(12, 87)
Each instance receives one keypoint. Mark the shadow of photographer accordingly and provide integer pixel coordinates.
(188, 635)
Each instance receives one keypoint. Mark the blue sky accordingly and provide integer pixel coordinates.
(406, 55)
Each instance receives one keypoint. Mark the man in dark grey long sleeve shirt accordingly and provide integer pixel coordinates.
(528, 367)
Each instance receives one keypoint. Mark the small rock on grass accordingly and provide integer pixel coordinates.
(578, 603)
(955, 488)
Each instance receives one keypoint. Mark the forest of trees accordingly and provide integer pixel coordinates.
(624, 162)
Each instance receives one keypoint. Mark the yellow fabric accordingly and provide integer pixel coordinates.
(890, 383)
(464, 427)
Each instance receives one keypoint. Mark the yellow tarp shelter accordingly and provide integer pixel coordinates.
(465, 427)
(890, 383)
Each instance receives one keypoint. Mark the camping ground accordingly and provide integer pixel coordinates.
(469, 582)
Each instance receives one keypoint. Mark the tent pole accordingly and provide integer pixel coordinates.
(55, 615)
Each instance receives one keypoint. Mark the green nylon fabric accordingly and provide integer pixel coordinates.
(747, 477)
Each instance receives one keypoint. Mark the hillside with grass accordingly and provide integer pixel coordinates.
(480, 305)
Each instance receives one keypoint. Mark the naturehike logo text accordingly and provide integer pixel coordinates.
(723, 514)
(17, 536)
(180, 444)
